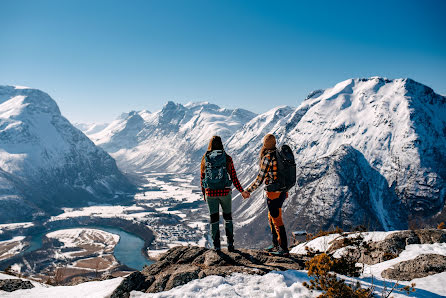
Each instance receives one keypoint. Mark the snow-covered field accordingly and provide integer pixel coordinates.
(14, 226)
(275, 284)
(9, 248)
(92, 289)
(91, 239)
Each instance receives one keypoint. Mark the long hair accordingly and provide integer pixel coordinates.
(214, 144)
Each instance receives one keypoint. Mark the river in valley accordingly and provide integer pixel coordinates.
(128, 251)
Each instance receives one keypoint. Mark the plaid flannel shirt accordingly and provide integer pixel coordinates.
(268, 171)
(225, 191)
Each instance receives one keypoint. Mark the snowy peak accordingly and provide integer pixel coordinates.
(201, 105)
(172, 138)
(408, 86)
(249, 138)
(14, 100)
(395, 124)
(389, 136)
(43, 158)
(90, 128)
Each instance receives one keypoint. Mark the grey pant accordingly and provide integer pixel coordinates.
(214, 204)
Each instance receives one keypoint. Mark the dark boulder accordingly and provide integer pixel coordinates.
(135, 281)
(11, 285)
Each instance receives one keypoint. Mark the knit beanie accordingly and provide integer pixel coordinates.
(269, 142)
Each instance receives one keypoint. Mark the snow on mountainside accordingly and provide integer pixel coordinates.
(368, 152)
(90, 128)
(172, 139)
(45, 162)
(398, 125)
(373, 146)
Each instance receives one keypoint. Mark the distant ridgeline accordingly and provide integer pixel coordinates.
(370, 152)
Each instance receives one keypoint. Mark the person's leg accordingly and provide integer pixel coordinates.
(226, 206)
(213, 205)
(273, 233)
(275, 211)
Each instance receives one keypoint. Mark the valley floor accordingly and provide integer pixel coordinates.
(167, 204)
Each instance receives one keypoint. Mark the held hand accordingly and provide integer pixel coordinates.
(245, 195)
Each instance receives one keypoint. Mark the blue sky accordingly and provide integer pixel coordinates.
(98, 59)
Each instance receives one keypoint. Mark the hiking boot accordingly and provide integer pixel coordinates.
(231, 248)
(281, 252)
(272, 248)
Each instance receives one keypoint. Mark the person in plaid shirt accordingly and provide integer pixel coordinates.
(221, 196)
(275, 199)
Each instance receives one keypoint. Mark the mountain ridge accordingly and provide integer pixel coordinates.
(53, 162)
(395, 127)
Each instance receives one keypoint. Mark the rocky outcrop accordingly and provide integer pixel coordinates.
(376, 252)
(182, 264)
(395, 243)
(11, 285)
(419, 267)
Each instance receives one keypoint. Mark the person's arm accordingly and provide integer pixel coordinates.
(201, 183)
(264, 166)
(233, 174)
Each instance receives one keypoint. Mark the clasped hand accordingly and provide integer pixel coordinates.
(245, 195)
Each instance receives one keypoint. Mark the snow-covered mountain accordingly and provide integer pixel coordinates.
(362, 148)
(369, 152)
(172, 139)
(90, 128)
(45, 162)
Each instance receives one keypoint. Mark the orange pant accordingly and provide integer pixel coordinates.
(275, 218)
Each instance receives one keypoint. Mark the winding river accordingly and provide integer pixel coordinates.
(128, 251)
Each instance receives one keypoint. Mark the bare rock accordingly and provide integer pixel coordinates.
(182, 276)
(376, 252)
(183, 264)
(135, 281)
(11, 285)
(421, 266)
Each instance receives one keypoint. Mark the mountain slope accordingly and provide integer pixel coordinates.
(172, 139)
(395, 131)
(45, 162)
(372, 150)
(398, 125)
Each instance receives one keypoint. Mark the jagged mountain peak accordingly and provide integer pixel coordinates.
(170, 105)
(181, 133)
(372, 85)
(202, 105)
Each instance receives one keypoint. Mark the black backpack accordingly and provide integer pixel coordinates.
(286, 170)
